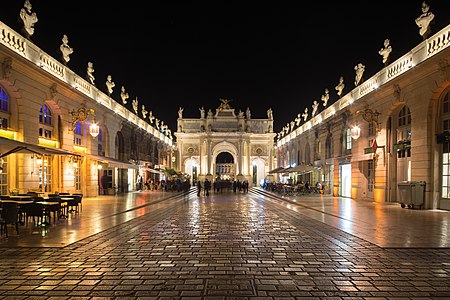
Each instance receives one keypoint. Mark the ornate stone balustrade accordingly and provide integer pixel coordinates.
(28, 50)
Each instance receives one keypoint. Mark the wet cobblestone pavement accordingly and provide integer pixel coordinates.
(225, 246)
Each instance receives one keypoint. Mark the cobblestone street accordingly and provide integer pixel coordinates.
(225, 246)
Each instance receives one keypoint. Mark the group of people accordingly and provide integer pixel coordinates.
(221, 185)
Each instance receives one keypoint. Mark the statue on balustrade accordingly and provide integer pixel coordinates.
(28, 19)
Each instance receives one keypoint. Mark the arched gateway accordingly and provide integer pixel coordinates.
(249, 141)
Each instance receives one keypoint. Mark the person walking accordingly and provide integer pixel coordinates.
(199, 187)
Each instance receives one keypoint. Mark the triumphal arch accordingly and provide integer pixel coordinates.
(249, 141)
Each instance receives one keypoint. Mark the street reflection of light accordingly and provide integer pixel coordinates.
(194, 216)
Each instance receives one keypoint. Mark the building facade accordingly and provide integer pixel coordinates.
(389, 132)
(59, 132)
(248, 140)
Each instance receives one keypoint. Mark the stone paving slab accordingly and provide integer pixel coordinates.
(225, 246)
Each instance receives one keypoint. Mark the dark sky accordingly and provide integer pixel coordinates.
(190, 54)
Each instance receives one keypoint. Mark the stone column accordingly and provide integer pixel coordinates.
(208, 150)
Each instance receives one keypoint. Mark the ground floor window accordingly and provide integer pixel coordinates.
(446, 171)
(3, 176)
(45, 173)
(77, 173)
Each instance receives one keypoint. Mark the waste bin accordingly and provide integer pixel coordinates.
(412, 193)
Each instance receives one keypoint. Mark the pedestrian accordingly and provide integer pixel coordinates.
(199, 187)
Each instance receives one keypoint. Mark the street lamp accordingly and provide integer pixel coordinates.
(370, 116)
(355, 131)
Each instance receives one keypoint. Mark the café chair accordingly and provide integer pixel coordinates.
(9, 215)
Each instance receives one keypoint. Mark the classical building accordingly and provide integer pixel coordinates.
(388, 137)
(248, 140)
(60, 132)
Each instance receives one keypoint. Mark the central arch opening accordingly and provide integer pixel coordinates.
(225, 168)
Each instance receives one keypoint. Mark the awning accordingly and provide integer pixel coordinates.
(361, 157)
(14, 146)
(301, 169)
(112, 162)
(276, 170)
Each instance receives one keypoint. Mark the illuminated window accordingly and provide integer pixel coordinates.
(78, 134)
(77, 174)
(446, 148)
(45, 122)
(45, 173)
(404, 132)
(4, 109)
(348, 139)
(3, 176)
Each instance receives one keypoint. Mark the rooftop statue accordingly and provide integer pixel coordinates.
(151, 117)
(305, 114)
(28, 19)
(110, 84)
(248, 113)
(225, 104)
(144, 112)
(340, 87)
(65, 49)
(90, 72)
(386, 51)
(124, 95)
(180, 112)
(315, 106)
(359, 68)
(269, 114)
(424, 21)
(135, 105)
(202, 112)
(325, 97)
(298, 119)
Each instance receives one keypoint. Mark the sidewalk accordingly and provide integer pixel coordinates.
(384, 224)
(97, 214)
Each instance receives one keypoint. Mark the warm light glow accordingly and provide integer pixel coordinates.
(39, 161)
(8, 134)
(48, 143)
(355, 132)
(94, 129)
(99, 167)
(75, 165)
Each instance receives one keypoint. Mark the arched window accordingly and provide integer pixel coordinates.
(100, 149)
(404, 132)
(45, 122)
(4, 109)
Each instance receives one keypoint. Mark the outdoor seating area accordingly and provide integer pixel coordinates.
(36, 209)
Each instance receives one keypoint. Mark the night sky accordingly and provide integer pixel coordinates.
(263, 55)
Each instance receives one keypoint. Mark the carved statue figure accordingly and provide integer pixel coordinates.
(270, 114)
(298, 119)
(292, 125)
(315, 106)
(241, 114)
(305, 114)
(386, 51)
(109, 84)
(202, 112)
(325, 97)
(157, 123)
(90, 72)
(151, 117)
(135, 105)
(424, 21)
(225, 104)
(340, 87)
(124, 95)
(359, 68)
(144, 112)
(210, 113)
(65, 49)
(28, 19)
(248, 113)
(180, 112)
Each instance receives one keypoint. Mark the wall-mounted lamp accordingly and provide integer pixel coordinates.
(370, 116)
(81, 115)
(355, 131)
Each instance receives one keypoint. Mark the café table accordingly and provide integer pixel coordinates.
(47, 209)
